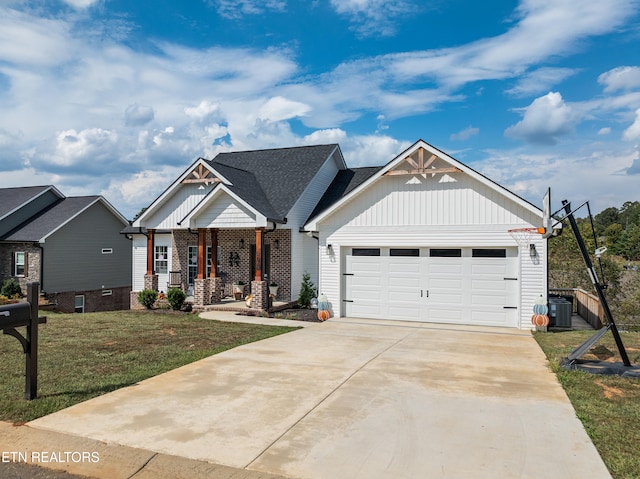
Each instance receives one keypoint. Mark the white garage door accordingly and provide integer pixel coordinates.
(452, 285)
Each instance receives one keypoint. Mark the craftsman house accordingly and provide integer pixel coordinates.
(422, 238)
(72, 246)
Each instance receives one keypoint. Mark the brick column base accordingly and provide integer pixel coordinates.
(151, 281)
(260, 295)
(216, 290)
(200, 292)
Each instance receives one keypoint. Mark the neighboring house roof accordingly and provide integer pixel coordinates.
(12, 199)
(345, 181)
(38, 228)
(320, 214)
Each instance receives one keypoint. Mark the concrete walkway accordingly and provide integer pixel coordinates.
(352, 398)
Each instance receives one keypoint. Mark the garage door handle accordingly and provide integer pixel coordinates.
(510, 279)
(422, 293)
(509, 307)
(347, 274)
(347, 301)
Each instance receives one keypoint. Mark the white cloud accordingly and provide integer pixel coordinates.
(633, 132)
(544, 120)
(465, 134)
(374, 17)
(543, 28)
(278, 108)
(136, 115)
(81, 4)
(620, 78)
(89, 146)
(236, 9)
(604, 131)
(540, 80)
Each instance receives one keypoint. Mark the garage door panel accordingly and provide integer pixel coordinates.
(459, 290)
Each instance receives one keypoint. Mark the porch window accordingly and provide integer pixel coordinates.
(19, 263)
(192, 262)
(162, 259)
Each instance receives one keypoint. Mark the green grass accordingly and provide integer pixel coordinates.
(608, 406)
(85, 355)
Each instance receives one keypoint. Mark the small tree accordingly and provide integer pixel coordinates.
(147, 297)
(11, 288)
(307, 291)
(176, 298)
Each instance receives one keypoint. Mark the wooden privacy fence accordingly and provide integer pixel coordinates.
(586, 305)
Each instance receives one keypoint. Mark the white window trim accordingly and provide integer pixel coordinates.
(16, 264)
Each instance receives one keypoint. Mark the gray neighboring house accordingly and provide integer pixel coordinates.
(72, 246)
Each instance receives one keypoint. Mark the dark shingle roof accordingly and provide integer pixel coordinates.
(343, 183)
(279, 176)
(50, 219)
(12, 198)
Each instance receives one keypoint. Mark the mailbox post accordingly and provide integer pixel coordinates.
(25, 314)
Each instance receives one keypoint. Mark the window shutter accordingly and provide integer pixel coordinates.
(26, 264)
(13, 263)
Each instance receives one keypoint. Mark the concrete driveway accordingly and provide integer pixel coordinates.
(357, 399)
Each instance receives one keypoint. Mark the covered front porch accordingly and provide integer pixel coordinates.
(222, 268)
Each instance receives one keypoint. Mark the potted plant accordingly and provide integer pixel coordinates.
(238, 289)
(273, 289)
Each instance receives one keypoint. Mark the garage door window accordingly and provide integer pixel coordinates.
(404, 252)
(445, 253)
(365, 252)
(489, 253)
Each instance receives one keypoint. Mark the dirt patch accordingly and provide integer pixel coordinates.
(609, 391)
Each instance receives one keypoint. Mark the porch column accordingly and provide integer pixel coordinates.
(150, 250)
(259, 254)
(150, 278)
(259, 289)
(201, 295)
(215, 282)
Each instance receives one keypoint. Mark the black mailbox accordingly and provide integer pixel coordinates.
(14, 315)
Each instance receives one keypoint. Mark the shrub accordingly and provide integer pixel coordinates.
(176, 298)
(307, 291)
(11, 288)
(147, 297)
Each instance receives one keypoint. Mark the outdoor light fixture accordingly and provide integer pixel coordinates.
(241, 244)
(532, 250)
(329, 249)
(276, 244)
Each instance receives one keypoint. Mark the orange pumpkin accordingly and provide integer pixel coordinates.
(540, 320)
(323, 314)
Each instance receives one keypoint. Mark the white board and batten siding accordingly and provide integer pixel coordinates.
(304, 249)
(176, 207)
(225, 212)
(446, 212)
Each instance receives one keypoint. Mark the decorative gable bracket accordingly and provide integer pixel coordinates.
(201, 174)
(421, 167)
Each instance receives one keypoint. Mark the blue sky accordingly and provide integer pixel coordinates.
(118, 97)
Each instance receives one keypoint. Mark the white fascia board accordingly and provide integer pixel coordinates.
(166, 194)
(189, 220)
(313, 224)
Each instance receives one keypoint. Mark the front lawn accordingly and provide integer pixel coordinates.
(85, 355)
(608, 406)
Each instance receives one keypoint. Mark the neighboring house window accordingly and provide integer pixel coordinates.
(162, 259)
(20, 263)
(79, 303)
(192, 264)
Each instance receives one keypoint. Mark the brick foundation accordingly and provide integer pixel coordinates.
(119, 299)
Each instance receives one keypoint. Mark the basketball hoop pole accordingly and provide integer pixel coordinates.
(596, 284)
